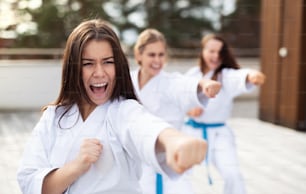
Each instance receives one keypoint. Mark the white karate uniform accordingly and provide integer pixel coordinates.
(221, 142)
(168, 96)
(127, 132)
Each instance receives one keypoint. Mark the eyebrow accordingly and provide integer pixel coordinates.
(106, 58)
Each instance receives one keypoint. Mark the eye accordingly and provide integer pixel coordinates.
(151, 54)
(109, 62)
(87, 64)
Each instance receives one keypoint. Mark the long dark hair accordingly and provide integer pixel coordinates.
(72, 89)
(227, 58)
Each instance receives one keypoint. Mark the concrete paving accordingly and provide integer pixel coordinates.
(272, 157)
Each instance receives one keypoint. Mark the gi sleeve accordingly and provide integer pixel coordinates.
(34, 164)
(139, 131)
(184, 91)
(235, 82)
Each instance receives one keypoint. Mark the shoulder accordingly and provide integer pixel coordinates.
(127, 103)
(170, 75)
(124, 106)
(234, 72)
(49, 112)
(124, 112)
(193, 71)
(66, 115)
(46, 121)
(228, 70)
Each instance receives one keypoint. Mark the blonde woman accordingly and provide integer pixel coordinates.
(168, 96)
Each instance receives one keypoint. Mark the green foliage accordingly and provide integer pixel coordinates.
(241, 28)
(182, 21)
(55, 21)
(182, 25)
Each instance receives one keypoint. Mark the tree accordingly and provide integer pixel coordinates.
(242, 27)
(182, 21)
(55, 21)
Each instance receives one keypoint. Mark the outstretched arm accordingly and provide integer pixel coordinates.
(256, 77)
(210, 89)
(182, 151)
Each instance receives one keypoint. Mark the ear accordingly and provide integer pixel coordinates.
(138, 57)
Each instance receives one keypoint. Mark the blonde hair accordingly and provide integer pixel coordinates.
(146, 37)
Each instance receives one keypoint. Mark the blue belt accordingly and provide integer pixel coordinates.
(204, 127)
(159, 184)
(194, 124)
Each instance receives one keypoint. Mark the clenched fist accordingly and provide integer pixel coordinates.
(182, 151)
(195, 112)
(256, 77)
(90, 152)
(209, 87)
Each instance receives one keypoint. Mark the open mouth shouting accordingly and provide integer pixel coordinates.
(98, 88)
(99, 92)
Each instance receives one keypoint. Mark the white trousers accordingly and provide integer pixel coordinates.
(223, 155)
(179, 185)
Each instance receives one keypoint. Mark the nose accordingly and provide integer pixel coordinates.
(98, 70)
(216, 55)
(157, 58)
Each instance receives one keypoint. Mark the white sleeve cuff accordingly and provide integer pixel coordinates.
(34, 186)
(195, 98)
(164, 168)
(158, 160)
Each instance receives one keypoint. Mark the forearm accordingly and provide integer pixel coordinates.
(60, 179)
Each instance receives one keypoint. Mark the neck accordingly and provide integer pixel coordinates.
(205, 70)
(143, 78)
(86, 109)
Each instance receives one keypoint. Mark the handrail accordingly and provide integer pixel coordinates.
(31, 53)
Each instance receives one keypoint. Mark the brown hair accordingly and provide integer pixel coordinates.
(227, 58)
(72, 88)
(146, 37)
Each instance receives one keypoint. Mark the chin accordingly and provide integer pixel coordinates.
(156, 71)
(99, 102)
(213, 67)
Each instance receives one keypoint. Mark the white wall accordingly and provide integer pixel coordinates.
(31, 84)
(28, 84)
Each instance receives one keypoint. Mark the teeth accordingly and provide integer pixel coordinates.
(99, 85)
(214, 62)
(155, 65)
